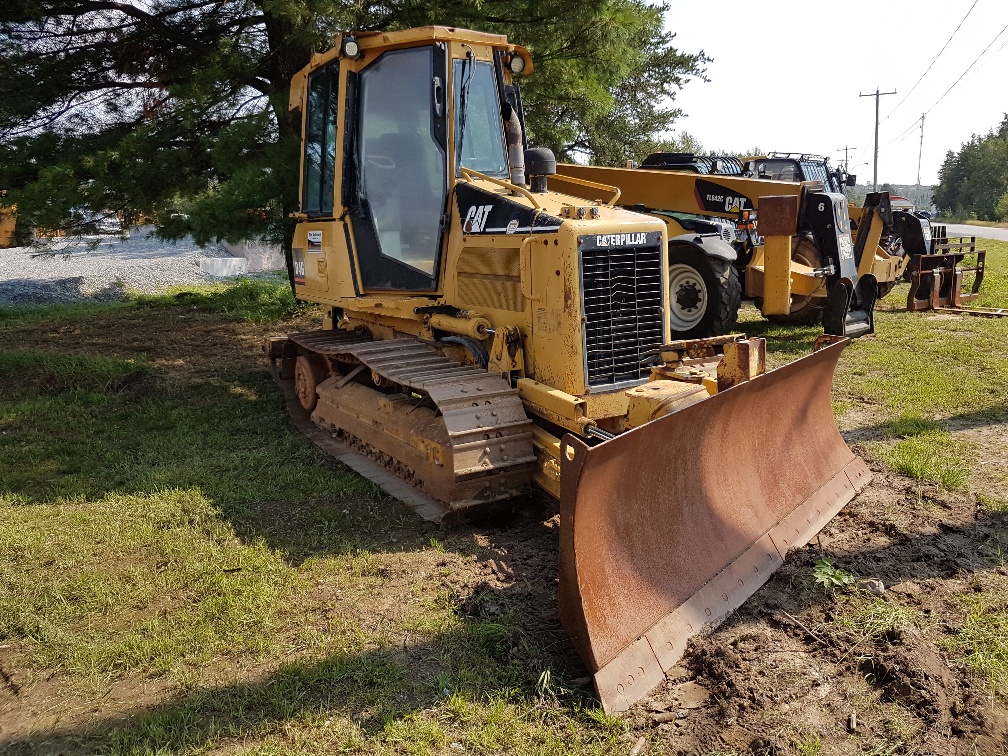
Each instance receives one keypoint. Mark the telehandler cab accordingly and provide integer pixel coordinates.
(483, 334)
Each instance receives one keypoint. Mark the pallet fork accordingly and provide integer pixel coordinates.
(936, 279)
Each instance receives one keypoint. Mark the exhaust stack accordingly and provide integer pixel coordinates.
(514, 138)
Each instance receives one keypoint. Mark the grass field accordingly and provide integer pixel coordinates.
(181, 572)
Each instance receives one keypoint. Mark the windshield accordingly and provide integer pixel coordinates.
(779, 170)
(481, 131)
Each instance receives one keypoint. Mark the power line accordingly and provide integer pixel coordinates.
(968, 68)
(857, 160)
(907, 130)
(932, 62)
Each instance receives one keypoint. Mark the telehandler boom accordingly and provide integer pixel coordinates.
(908, 236)
(811, 265)
(483, 334)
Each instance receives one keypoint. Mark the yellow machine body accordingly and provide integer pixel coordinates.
(8, 220)
(476, 344)
(770, 271)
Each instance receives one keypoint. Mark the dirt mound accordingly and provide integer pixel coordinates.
(734, 683)
(913, 673)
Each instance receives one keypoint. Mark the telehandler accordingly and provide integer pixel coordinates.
(483, 335)
(909, 236)
(708, 194)
(837, 268)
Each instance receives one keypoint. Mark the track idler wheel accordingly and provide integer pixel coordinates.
(308, 374)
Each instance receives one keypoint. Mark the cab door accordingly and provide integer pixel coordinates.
(398, 177)
(318, 180)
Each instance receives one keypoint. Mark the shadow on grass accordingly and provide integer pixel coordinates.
(964, 421)
(344, 696)
(503, 636)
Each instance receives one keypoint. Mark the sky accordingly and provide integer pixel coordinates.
(787, 75)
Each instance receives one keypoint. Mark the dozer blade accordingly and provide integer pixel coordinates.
(667, 528)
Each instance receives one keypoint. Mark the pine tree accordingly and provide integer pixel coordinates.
(175, 112)
(972, 181)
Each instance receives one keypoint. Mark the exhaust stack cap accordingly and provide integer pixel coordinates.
(514, 137)
(539, 163)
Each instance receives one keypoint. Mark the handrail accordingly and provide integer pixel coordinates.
(468, 173)
(585, 182)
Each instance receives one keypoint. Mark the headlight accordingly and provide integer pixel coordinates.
(350, 49)
(516, 63)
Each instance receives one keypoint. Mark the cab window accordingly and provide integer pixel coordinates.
(403, 168)
(479, 126)
(320, 142)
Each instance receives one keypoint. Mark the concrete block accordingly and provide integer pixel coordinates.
(224, 266)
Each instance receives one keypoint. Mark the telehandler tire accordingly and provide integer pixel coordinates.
(704, 293)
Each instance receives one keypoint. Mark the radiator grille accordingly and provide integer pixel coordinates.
(622, 289)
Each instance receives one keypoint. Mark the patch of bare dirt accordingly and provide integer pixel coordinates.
(184, 343)
(785, 672)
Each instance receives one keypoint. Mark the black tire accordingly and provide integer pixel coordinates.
(885, 287)
(704, 293)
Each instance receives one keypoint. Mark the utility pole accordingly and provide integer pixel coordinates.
(876, 95)
(920, 152)
(845, 161)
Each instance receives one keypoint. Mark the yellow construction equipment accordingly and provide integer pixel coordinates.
(8, 222)
(806, 263)
(483, 335)
(906, 236)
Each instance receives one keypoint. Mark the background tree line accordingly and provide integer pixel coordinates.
(175, 111)
(973, 182)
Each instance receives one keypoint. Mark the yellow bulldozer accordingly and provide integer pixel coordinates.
(842, 257)
(483, 336)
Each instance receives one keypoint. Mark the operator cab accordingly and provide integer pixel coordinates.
(797, 168)
(395, 173)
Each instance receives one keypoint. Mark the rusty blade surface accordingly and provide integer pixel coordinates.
(667, 528)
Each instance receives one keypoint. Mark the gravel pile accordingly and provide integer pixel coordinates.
(103, 269)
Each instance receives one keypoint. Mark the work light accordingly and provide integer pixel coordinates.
(350, 48)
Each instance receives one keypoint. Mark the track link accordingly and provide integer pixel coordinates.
(457, 434)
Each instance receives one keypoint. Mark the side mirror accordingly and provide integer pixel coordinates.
(851, 179)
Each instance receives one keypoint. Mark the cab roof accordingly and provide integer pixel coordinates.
(388, 40)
